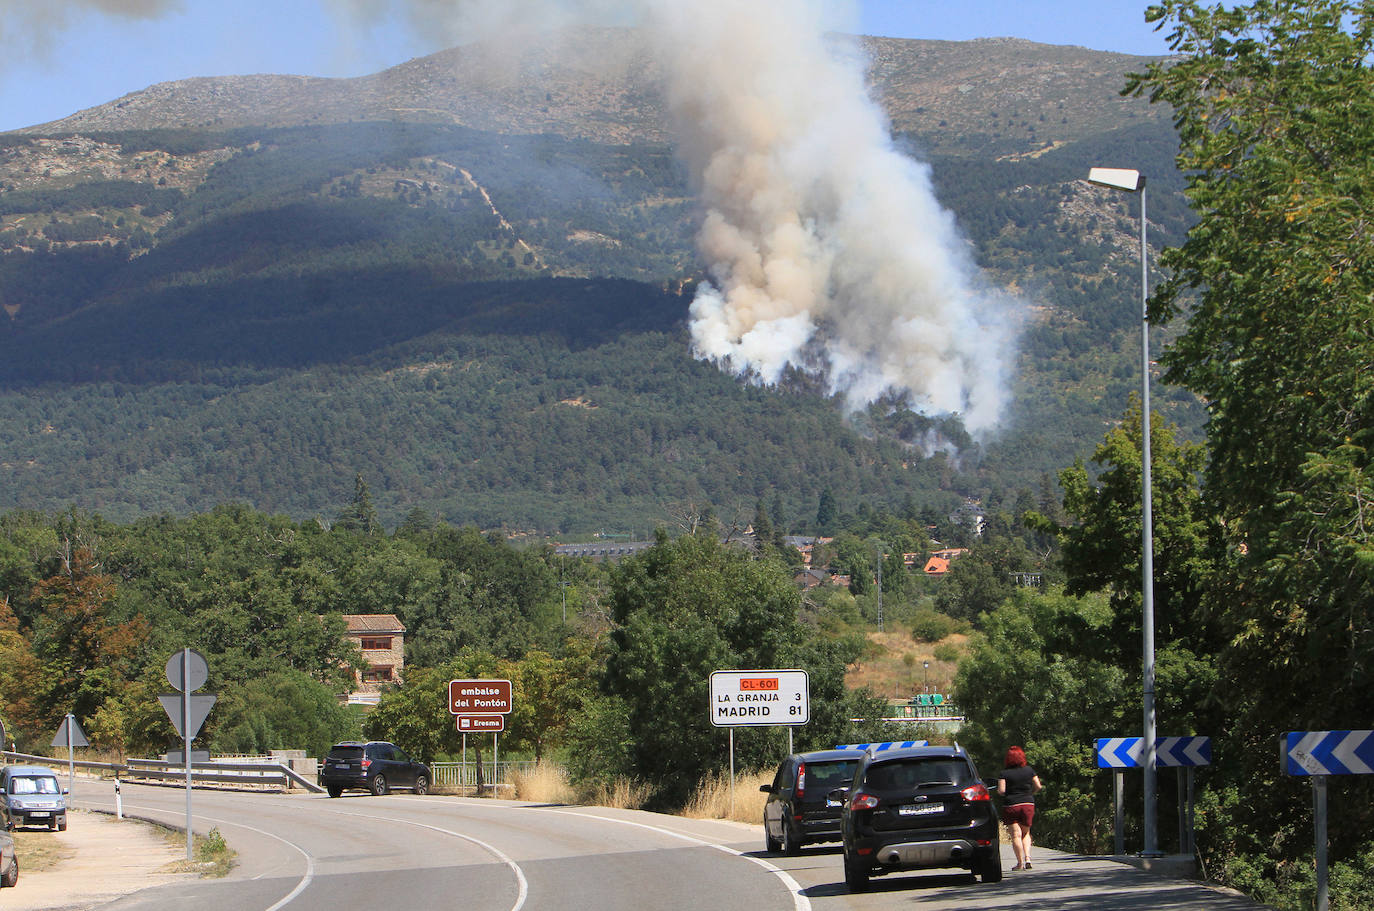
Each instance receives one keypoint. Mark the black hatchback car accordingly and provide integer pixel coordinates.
(797, 812)
(918, 808)
(375, 766)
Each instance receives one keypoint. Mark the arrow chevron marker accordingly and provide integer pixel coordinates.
(1328, 752)
(1129, 752)
(1199, 752)
(1344, 752)
(1118, 752)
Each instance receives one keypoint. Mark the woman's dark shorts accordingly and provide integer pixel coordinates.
(1021, 812)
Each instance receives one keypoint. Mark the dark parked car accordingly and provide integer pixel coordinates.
(375, 766)
(918, 808)
(30, 795)
(797, 812)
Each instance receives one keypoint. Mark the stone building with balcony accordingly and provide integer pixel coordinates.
(382, 638)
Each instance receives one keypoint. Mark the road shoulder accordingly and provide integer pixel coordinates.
(109, 858)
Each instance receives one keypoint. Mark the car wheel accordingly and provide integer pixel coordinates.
(421, 784)
(990, 870)
(62, 826)
(770, 844)
(791, 844)
(855, 875)
(379, 785)
(333, 789)
(11, 876)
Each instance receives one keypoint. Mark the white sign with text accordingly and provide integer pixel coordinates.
(751, 698)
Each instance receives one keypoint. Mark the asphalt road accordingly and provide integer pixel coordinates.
(400, 852)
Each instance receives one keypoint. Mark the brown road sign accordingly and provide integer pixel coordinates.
(481, 724)
(479, 697)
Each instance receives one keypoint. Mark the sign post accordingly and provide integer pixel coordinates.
(187, 672)
(71, 736)
(1319, 754)
(755, 699)
(1182, 753)
(481, 706)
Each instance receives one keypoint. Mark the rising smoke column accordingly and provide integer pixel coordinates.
(826, 247)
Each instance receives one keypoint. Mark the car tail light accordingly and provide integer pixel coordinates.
(863, 801)
(801, 780)
(365, 763)
(975, 793)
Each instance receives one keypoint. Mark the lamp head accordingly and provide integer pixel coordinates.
(1119, 178)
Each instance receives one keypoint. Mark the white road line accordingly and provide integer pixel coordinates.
(523, 886)
(309, 860)
(799, 900)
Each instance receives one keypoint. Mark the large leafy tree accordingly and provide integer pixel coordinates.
(683, 609)
(1274, 104)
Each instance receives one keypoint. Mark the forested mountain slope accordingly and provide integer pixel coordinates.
(468, 282)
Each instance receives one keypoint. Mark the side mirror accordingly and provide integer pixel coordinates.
(836, 797)
(767, 788)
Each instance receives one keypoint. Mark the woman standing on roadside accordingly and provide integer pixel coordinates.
(1017, 785)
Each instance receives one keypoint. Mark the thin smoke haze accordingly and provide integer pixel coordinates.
(27, 28)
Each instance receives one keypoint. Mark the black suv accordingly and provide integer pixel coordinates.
(375, 766)
(797, 811)
(918, 808)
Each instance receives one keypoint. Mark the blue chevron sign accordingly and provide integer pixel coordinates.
(879, 747)
(1327, 752)
(1129, 752)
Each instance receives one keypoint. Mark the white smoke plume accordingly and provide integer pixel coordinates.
(827, 248)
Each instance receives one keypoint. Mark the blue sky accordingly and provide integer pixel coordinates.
(79, 57)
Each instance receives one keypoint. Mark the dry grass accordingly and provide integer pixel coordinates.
(623, 794)
(40, 850)
(712, 798)
(889, 673)
(545, 783)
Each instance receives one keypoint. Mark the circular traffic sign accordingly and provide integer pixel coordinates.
(187, 671)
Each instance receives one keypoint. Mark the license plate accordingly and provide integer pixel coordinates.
(925, 809)
(38, 816)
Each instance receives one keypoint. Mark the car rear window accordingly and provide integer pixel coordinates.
(912, 774)
(346, 753)
(830, 774)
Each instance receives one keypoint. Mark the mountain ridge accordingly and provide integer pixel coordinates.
(589, 83)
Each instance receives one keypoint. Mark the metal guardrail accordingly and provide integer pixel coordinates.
(270, 774)
(458, 777)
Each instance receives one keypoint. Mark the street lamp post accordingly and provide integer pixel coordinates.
(926, 682)
(1134, 182)
(880, 586)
